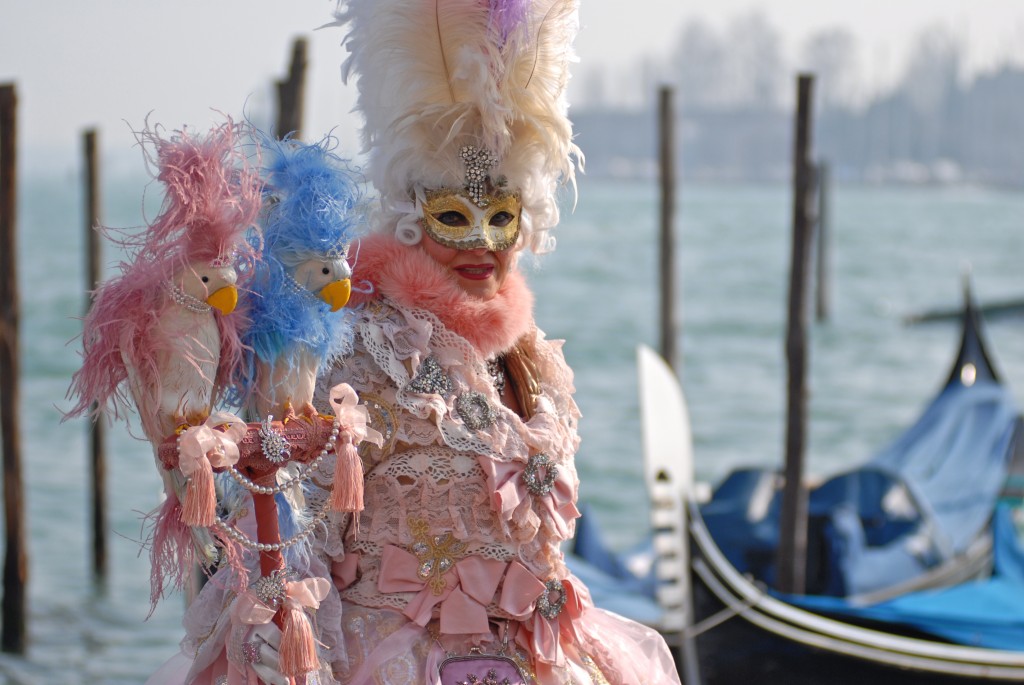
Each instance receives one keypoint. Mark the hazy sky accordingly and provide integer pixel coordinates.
(109, 63)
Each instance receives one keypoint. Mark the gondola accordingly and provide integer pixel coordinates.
(915, 573)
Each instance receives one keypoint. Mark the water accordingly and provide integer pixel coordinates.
(895, 252)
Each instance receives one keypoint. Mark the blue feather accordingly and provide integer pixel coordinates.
(314, 204)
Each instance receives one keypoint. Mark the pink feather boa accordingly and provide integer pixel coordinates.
(411, 278)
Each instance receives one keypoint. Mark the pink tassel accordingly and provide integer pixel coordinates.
(200, 505)
(298, 648)
(347, 494)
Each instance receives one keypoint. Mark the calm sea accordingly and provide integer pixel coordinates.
(894, 252)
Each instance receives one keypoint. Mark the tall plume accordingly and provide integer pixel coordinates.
(434, 75)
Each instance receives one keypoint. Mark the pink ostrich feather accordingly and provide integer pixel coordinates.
(212, 198)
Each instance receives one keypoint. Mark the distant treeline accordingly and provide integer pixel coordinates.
(735, 88)
(972, 133)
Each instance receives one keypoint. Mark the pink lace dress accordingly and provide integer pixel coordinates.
(467, 505)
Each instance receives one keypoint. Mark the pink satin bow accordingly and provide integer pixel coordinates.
(469, 587)
(206, 447)
(306, 593)
(298, 595)
(541, 635)
(526, 510)
(353, 418)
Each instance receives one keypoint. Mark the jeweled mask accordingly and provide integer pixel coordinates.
(454, 220)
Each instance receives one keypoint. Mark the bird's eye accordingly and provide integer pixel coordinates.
(452, 218)
(325, 271)
(206, 279)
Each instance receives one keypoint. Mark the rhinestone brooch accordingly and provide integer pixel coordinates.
(430, 379)
(552, 600)
(474, 410)
(270, 589)
(532, 478)
(275, 446)
(479, 163)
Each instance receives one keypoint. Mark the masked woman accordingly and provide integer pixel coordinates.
(452, 572)
(447, 566)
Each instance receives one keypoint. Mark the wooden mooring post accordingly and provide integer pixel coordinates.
(792, 552)
(666, 242)
(13, 638)
(823, 239)
(97, 428)
(291, 93)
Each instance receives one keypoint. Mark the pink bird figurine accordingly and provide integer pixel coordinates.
(159, 335)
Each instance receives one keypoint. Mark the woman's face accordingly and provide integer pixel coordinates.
(473, 243)
(480, 272)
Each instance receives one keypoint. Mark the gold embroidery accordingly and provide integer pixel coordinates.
(593, 670)
(436, 554)
(382, 417)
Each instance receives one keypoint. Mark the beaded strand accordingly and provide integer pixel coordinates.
(243, 539)
(193, 304)
(249, 485)
(246, 482)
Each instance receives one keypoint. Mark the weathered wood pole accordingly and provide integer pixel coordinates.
(793, 522)
(823, 292)
(291, 93)
(666, 243)
(13, 638)
(97, 429)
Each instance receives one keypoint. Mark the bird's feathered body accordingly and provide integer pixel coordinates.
(154, 333)
(312, 214)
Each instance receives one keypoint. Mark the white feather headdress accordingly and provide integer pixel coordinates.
(437, 75)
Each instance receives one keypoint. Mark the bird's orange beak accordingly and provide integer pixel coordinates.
(336, 294)
(224, 300)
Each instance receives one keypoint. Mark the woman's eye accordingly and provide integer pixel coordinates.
(206, 279)
(501, 219)
(452, 219)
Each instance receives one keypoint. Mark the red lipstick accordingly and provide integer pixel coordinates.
(475, 272)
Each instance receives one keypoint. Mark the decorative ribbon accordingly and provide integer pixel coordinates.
(353, 419)
(469, 587)
(298, 645)
(526, 510)
(540, 635)
(200, 450)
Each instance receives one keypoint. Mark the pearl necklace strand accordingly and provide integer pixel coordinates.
(246, 541)
(193, 304)
(298, 289)
(302, 475)
(243, 539)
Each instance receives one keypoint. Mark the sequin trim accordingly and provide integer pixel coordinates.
(430, 379)
(436, 553)
(382, 418)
